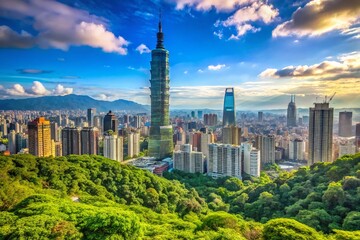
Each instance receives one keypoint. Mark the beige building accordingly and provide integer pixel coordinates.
(39, 132)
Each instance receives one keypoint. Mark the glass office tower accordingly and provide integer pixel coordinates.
(229, 108)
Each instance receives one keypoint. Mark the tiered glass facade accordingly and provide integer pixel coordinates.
(161, 133)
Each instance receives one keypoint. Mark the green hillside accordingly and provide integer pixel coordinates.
(92, 197)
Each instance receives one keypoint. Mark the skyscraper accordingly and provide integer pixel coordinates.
(89, 140)
(345, 124)
(71, 141)
(291, 113)
(229, 108)
(39, 132)
(320, 133)
(111, 122)
(160, 141)
(91, 112)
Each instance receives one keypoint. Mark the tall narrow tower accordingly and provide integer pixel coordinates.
(161, 139)
(229, 108)
(291, 113)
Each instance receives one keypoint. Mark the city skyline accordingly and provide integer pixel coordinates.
(253, 46)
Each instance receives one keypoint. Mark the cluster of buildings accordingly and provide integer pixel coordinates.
(240, 143)
(60, 135)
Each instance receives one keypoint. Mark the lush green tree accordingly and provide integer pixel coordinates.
(352, 221)
(282, 228)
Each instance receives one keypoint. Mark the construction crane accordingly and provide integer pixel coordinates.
(332, 96)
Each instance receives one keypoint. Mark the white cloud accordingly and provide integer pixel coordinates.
(320, 16)
(247, 11)
(61, 90)
(219, 34)
(16, 90)
(39, 89)
(57, 26)
(142, 48)
(216, 67)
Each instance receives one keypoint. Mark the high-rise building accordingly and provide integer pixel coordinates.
(200, 114)
(54, 131)
(345, 124)
(99, 123)
(187, 160)
(291, 113)
(113, 147)
(206, 139)
(320, 133)
(91, 112)
(39, 132)
(224, 160)
(161, 133)
(137, 121)
(250, 159)
(195, 141)
(266, 145)
(229, 108)
(297, 150)
(255, 162)
(260, 116)
(71, 141)
(21, 141)
(12, 142)
(210, 119)
(133, 144)
(111, 122)
(89, 140)
(231, 135)
(357, 137)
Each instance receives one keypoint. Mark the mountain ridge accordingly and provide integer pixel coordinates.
(70, 102)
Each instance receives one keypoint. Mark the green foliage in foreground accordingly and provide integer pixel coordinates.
(325, 196)
(91, 197)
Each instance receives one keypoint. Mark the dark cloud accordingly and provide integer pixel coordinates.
(57, 26)
(11, 39)
(347, 66)
(319, 17)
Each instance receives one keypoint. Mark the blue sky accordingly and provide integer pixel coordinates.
(266, 50)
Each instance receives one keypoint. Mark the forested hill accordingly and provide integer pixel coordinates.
(91, 197)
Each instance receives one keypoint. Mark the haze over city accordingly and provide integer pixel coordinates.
(266, 50)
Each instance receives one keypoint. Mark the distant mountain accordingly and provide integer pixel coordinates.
(70, 102)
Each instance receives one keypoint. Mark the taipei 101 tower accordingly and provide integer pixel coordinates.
(161, 134)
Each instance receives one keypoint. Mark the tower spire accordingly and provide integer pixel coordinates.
(160, 34)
